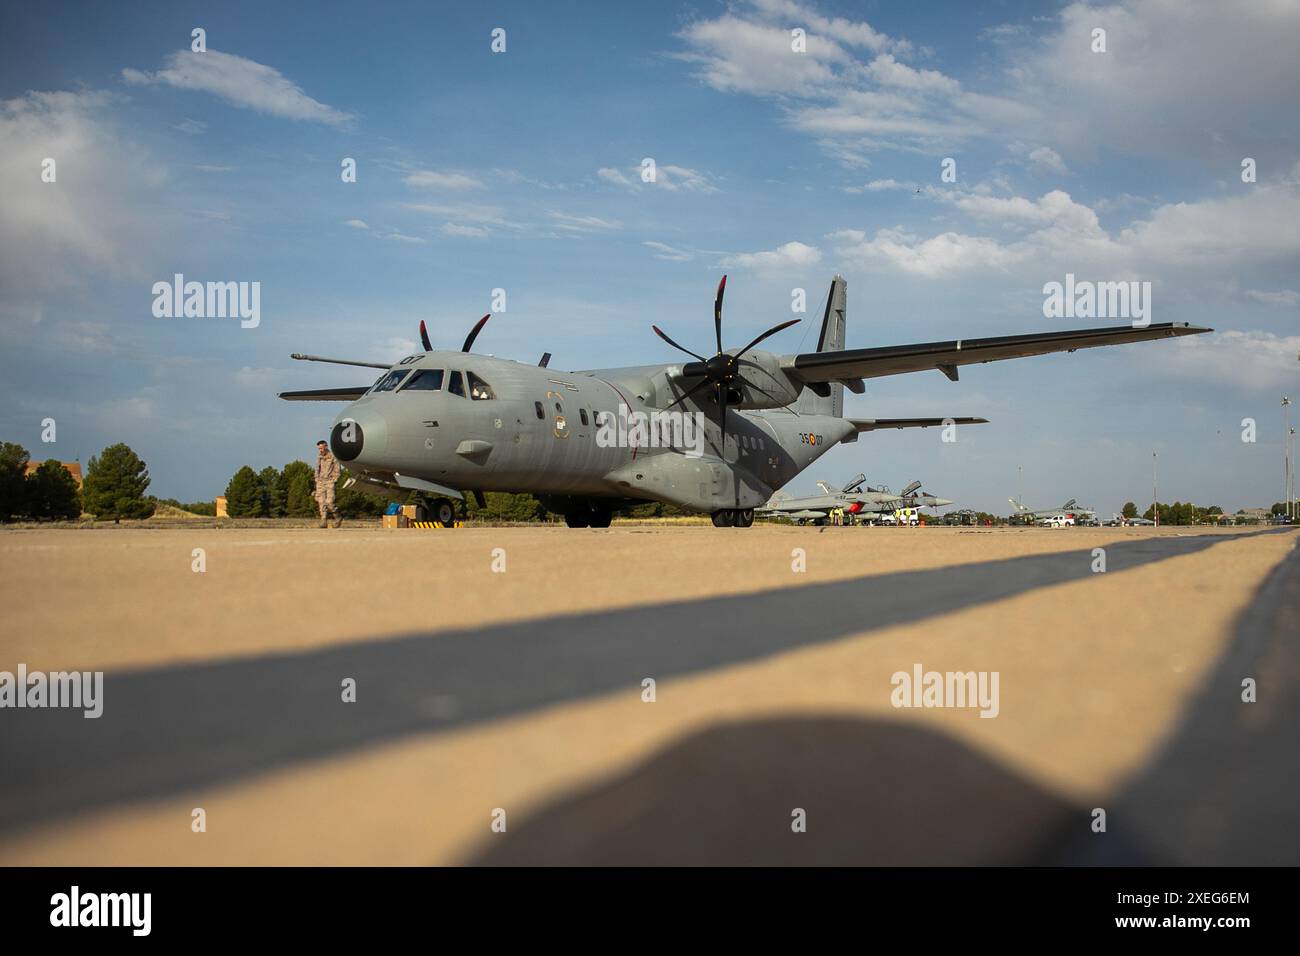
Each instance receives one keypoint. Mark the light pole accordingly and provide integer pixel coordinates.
(1155, 505)
(1286, 456)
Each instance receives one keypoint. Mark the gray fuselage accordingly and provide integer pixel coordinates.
(534, 430)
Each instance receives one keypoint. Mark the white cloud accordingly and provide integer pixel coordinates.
(1284, 297)
(357, 224)
(668, 253)
(1250, 361)
(1045, 160)
(670, 177)
(106, 213)
(401, 237)
(240, 82)
(1259, 227)
(432, 179)
(583, 223)
(792, 255)
(612, 175)
(461, 231)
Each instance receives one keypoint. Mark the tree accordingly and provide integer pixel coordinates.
(244, 494)
(351, 503)
(503, 506)
(274, 495)
(115, 485)
(298, 501)
(1130, 510)
(52, 492)
(13, 485)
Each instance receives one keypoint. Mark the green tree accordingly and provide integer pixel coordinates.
(115, 485)
(503, 506)
(13, 485)
(244, 494)
(298, 500)
(1130, 510)
(52, 492)
(274, 494)
(351, 503)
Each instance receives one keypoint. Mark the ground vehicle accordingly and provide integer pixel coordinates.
(1059, 520)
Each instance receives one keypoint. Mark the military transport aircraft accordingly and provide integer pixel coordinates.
(443, 423)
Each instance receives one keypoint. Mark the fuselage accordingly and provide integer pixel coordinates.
(477, 423)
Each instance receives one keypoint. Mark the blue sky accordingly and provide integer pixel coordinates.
(520, 170)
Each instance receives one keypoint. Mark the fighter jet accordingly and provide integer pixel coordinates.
(716, 434)
(1029, 515)
(853, 498)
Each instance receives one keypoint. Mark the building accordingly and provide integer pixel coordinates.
(72, 467)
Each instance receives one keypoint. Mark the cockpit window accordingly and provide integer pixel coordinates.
(391, 380)
(479, 390)
(455, 386)
(425, 380)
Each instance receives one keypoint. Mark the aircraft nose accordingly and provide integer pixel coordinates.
(941, 502)
(359, 431)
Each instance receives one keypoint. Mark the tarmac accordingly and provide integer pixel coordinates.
(501, 673)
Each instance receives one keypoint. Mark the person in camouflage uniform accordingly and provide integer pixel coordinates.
(327, 472)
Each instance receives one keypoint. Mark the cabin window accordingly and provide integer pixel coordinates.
(425, 380)
(456, 386)
(538, 407)
(391, 380)
(479, 390)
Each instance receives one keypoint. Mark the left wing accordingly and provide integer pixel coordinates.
(851, 365)
(346, 394)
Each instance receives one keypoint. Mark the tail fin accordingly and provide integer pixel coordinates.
(828, 398)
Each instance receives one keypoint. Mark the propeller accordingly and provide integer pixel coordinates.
(723, 369)
(469, 339)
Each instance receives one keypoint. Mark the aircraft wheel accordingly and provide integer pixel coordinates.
(578, 517)
(444, 511)
(745, 518)
(724, 518)
(601, 516)
(801, 522)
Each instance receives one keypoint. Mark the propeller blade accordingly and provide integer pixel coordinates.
(772, 331)
(717, 312)
(473, 333)
(689, 392)
(424, 337)
(664, 335)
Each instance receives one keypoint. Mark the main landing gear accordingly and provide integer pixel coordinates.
(588, 514)
(733, 518)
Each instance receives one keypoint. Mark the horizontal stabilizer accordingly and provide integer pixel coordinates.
(872, 424)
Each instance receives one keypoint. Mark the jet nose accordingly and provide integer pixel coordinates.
(358, 432)
(941, 502)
